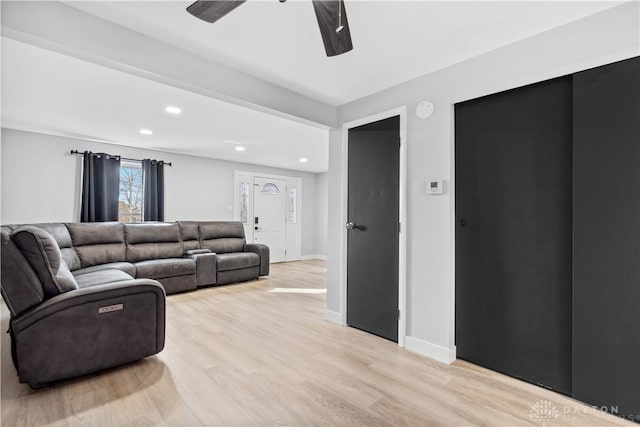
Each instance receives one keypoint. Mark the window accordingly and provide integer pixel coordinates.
(244, 202)
(292, 208)
(131, 192)
(270, 188)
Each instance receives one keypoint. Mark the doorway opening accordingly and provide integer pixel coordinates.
(270, 209)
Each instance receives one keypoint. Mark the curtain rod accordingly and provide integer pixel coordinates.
(120, 157)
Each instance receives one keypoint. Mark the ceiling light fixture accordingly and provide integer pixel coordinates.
(340, 27)
(303, 160)
(239, 148)
(146, 131)
(171, 109)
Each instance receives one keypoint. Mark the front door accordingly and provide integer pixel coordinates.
(269, 212)
(373, 214)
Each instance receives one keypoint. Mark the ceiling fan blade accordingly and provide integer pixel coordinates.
(335, 42)
(212, 10)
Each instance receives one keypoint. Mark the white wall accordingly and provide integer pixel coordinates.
(602, 38)
(40, 182)
(322, 195)
(335, 226)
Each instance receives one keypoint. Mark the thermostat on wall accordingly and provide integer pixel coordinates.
(434, 186)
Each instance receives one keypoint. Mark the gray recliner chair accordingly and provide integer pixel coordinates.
(61, 330)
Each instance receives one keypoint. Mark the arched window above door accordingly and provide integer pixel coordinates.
(270, 188)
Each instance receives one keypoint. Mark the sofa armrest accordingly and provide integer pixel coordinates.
(97, 293)
(87, 330)
(263, 252)
(205, 267)
(196, 252)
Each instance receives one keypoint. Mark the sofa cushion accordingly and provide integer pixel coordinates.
(218, 229)
(168, 267)
(237, 260)
(126, 267)
(223, 246)
(222, 236)
(101, 277)
(190, 232)
(153, 241)
(98, 242)
(61, 235)
(43, 255)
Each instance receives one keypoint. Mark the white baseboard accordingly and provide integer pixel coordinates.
(333, 316)
(434, 351)
(308, 257)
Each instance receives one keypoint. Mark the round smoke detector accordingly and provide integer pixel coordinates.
(424, 110)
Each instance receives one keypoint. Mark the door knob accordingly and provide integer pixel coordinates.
(463, 222)
(349, 226)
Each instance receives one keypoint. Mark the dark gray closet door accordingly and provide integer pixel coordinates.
(372, 242)
(513, 232)
(606, 334)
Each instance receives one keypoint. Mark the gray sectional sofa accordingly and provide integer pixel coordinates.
(182, 255)
(89, 296)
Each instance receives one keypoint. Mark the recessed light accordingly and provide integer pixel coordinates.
(146, 131)
(239, 148)
(171, 109)
(303, 160)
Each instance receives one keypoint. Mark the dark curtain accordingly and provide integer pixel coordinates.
(153, 175)
(100, 187)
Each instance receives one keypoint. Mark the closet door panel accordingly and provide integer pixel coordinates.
(513, 232)
(606, 320)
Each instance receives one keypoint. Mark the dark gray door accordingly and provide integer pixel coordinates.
(514, 232)
(373, 213)
(606, 171)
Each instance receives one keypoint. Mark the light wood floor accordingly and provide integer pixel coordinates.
(241, 355)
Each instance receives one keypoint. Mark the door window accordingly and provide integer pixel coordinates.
(244, 202)
(270, 188)
(292, 212)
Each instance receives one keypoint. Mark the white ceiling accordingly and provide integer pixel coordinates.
(394, 41)
(47, 92)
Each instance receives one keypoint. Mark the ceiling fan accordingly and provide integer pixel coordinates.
(331, 15)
